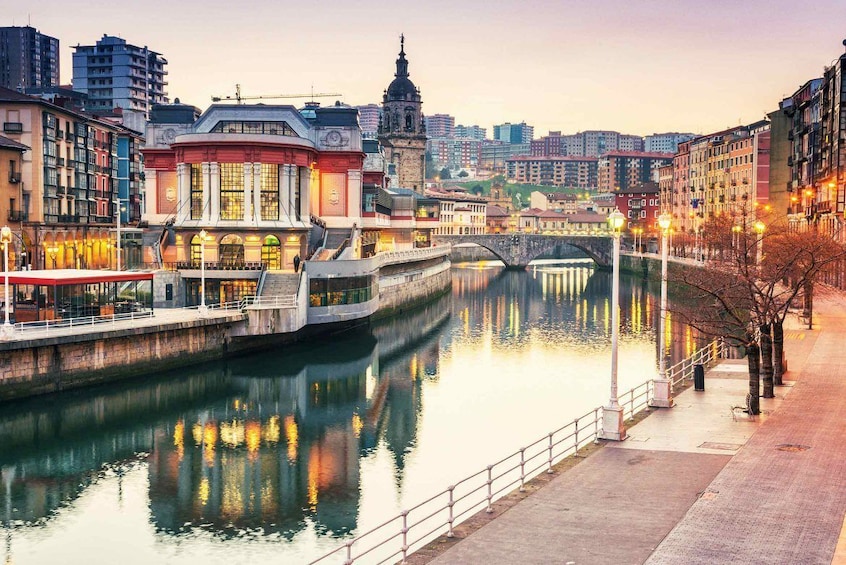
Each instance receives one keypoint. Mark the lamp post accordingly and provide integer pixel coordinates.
(663, 388)
(6, 239)
(612, 415)
(203, 309)
(118, 233)
(759, 229)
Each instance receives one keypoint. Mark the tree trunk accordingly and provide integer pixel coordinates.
(808, 304)
(778, 353)
(753, 358)
(767, 361)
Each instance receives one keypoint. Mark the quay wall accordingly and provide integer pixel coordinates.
(52, 364)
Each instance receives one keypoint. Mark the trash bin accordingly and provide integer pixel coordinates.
(698, 377)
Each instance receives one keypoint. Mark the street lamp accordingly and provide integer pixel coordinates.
(203, 309)
(612, 415)
(663, 388)
(117, 202)
(6, 239)
(759, 229)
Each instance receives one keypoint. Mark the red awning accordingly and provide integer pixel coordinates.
(59, 277)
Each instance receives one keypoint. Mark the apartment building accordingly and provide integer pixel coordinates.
(620, 170)
(572, 172)
(68, 183)
(117, 74)
(28, 59)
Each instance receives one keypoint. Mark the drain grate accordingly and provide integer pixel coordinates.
(723, 446)
(793, 447)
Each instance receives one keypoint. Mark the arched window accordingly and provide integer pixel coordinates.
(409, 122)
(271, 252)
(196, 250)
(231, 252)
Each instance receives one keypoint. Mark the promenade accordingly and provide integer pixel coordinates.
(694, 485)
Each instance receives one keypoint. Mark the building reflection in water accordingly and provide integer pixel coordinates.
(274, 443)
(563, 304)
(268, 443)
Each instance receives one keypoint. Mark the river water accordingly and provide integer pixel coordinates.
(281, 456)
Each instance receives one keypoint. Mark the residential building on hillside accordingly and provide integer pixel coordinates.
(471, 132)
(116, 74)
(557, 201)
(493, 155)
(571, 172)
(368, 117)
(28, 59)
(454, 153)
(585, 144)
(550, 145)
(440, 125)
(68, 183)
(631, 143)
(665, 142)
(514, 133)
(618, 170)
(402, 131)
(640, 205)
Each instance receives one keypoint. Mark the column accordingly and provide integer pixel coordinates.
(206, 215)
(183, 191)
(257, 191)
(248, 192)
(354, 195)
(285, 196)
(214, 192)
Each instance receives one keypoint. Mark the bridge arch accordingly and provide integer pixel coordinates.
(518, 250)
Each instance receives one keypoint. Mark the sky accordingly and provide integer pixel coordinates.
(633, 66)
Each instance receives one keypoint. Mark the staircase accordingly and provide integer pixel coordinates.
(280, 284)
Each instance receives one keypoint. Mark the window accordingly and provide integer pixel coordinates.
(196, 192)
(231, 191)
(269, 192)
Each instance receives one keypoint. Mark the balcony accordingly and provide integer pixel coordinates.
(12, 127)
(18, 216)
(68, 218)
(14, 178)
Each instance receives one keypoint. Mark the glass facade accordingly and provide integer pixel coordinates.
(231, 191)
(342, 290)
(269, 192)
(196, 191)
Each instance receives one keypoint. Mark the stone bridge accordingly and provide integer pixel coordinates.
(516, 250)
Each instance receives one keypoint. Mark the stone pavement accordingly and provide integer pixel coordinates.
(694, 485)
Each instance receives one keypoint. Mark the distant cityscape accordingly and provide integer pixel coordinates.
(792, 163)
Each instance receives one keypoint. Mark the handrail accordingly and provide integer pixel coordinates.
(398, 537)
(75, 322)
(707, 356)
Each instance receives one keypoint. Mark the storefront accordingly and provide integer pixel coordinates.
(72, 293)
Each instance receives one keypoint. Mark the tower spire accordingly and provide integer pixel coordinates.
(402, 63)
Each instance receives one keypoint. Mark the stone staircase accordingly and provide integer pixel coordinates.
(280, 284)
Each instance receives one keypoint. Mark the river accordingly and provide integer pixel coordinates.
(281, 456)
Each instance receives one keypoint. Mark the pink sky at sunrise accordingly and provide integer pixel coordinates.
(637, 67)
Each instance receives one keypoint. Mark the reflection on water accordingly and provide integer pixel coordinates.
(284, 454)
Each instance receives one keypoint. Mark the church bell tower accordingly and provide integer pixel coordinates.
(402, 131)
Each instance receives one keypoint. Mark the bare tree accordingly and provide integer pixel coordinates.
(750, 286)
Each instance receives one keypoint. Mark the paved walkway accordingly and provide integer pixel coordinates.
(694, 485)
(161, 316)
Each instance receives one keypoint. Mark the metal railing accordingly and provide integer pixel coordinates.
(396, 538)
(706, 356)
(81, 321)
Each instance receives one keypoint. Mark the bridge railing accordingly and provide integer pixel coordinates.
(396, 538)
